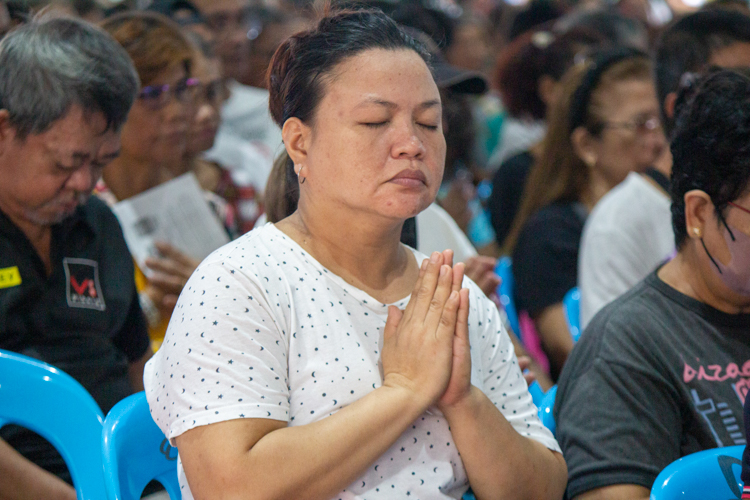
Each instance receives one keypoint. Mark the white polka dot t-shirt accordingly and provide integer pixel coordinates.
(262, 330)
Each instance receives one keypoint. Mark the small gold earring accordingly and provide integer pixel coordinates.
(697, 232)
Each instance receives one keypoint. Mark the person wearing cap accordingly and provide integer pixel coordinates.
(663, 370)
(67, 294)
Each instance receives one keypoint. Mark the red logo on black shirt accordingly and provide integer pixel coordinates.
(82, 287)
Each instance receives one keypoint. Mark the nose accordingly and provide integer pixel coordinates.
(407, 143)
(83, 179)
(205, 113)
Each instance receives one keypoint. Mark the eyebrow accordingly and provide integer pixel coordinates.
(79, 158)
(392, 105)
(109, 157)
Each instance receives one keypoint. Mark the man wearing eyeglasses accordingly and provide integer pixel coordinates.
(67, 294)
(629, 231)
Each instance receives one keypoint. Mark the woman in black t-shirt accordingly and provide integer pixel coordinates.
(604, 126)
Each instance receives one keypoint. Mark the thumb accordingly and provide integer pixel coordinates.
(391, 324)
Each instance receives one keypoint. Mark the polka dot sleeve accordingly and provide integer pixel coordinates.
(502, 380)
(226, 355)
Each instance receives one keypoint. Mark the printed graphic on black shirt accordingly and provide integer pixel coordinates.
(83, 288)
(725, 427)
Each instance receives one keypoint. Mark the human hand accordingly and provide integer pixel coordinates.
(524, 363)
(418, 342)
(170, 273)
(481, 270)
(459, 385)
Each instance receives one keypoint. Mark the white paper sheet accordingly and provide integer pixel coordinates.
(175, 212)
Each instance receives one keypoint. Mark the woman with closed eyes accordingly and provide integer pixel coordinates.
(320, 358)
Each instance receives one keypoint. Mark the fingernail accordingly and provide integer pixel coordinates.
(443, 270)
(434, 257)
(424, 265)
(454, 295)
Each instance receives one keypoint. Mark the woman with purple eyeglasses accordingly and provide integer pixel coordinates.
(154, 139)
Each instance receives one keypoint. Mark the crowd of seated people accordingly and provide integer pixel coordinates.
(370, 163)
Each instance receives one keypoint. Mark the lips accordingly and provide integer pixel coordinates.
(410, 178)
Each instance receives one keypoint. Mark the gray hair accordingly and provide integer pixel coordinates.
(50, 64)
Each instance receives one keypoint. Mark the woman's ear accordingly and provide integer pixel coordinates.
(584, 145)
(699, 211)
(296, 136)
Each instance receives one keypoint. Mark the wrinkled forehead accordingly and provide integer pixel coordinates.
(78, 137)
(379, 66)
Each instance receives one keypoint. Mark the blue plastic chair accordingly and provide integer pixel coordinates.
(708, 475)
(504, 269)
(545, 410)
(537, 393)
(136, 452)
(572, 308)
(51, 403)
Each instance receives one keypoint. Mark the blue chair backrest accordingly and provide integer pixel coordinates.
(504, 269)
(51, 403)
(572, 308)
(537, 393)
(136, 452)
(708, 475)
(545, 410)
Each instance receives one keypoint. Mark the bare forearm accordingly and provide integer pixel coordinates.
(313, 461)
(499, 461)
(23, 480)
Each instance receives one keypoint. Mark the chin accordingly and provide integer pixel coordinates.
(48, 218)
(406, 210)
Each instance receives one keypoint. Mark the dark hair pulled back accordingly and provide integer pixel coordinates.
(294, 76)
(298, 66)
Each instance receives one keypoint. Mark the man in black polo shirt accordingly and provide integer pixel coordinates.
(67, 294)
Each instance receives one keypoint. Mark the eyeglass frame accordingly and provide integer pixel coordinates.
(202, 94)
(647, 126)
(168, 89)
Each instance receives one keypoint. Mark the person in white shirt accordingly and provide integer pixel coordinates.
(627, 235)
(319, 357)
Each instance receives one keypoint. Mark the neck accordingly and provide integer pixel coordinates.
(597, 187)
(364, 250)
(127, 176)
(683, 273)
(39, 235)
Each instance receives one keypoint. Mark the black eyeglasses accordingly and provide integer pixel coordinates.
(641, 125)
(158, 96)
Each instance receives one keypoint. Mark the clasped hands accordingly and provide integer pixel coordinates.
(426, 346)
